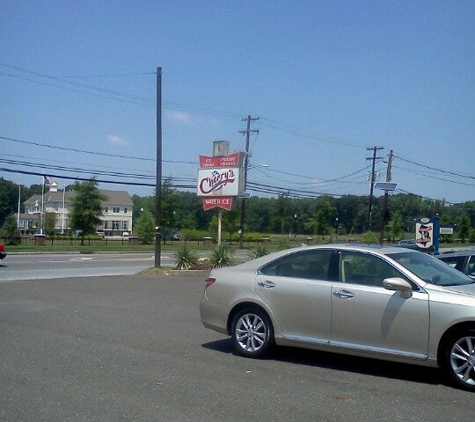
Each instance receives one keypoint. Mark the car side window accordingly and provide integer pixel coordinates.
(471, 266)
(306, 264)
(365, 269)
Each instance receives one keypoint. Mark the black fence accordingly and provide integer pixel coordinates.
(43, 240)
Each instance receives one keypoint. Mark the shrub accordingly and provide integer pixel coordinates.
(185, 258)
(193, 234)
(221, 256)
(259, 251)
(370, 238)
(254, 236)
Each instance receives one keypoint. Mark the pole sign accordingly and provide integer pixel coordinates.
(427, 234)
(220, 181)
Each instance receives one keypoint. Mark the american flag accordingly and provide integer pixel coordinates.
(47, 180)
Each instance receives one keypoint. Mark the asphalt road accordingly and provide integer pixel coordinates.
(132, 348)
(42, 266)
(47, 266)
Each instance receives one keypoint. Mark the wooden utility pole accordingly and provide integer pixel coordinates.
(385, 203)
(158, 183)
(374, 158)
(248, 132)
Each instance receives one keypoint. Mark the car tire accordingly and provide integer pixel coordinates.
(252, 333)
(460, 359)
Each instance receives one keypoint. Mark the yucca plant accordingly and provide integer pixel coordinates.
(260, 250)
(221, 256)
(185, 258)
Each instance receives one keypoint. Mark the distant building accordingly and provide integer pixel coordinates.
(117, 211)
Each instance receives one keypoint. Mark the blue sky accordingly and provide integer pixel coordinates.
(328, 80)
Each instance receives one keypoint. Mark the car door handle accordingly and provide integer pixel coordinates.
(266, 284)
(344, 294)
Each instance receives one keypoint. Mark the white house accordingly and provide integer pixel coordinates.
(116, 219)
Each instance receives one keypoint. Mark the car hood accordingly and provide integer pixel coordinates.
(468, 289)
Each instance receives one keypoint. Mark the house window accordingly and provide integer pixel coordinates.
(106, 209)
(125, 210)
(115, 225)
(116, 210)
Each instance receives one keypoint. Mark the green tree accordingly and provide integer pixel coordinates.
(395, 225)
(370, 238)
(86, 208)
(169, 208)
(323, 218)
(142, 203)
(145, 227)
(282, 213)
(231, 224)
(49, 222)
(10, 231)
(464, 227)
(8, 199)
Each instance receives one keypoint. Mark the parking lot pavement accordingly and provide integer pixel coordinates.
(132, 348)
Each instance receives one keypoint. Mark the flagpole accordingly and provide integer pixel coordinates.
(62, 222)
(42, 203)
(19, 202)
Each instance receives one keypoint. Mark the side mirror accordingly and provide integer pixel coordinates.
(398, 285)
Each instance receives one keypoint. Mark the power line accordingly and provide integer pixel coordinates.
(468, 176)
(434, 176)
(103, 154)
(33, 76)
(307, 134)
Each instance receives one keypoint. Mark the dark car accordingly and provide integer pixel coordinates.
(408, 243)
(411, 244)
(463, 261)
(3, 252)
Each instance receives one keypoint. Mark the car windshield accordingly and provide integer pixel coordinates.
(431, 269)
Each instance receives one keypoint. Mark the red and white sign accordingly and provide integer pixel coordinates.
(218, 182)
(232, 160)
(225, 202)
(424, 233)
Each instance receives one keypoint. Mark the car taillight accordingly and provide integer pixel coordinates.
(209, 281)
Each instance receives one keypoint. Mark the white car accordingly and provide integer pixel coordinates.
(388, 303)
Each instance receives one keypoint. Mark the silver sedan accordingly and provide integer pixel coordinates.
(382, 302)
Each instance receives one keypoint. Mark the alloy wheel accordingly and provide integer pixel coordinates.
(462, 361)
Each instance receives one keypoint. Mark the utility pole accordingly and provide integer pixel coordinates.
(374, 158)
(158, 183)
(248, 132)
(385, 203)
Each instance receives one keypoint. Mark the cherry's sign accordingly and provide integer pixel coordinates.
(220, 181)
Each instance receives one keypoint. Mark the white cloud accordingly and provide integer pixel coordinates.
(190, 118)
(116, 140)
(179, 116)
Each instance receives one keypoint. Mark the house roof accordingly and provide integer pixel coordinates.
(115, 197)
